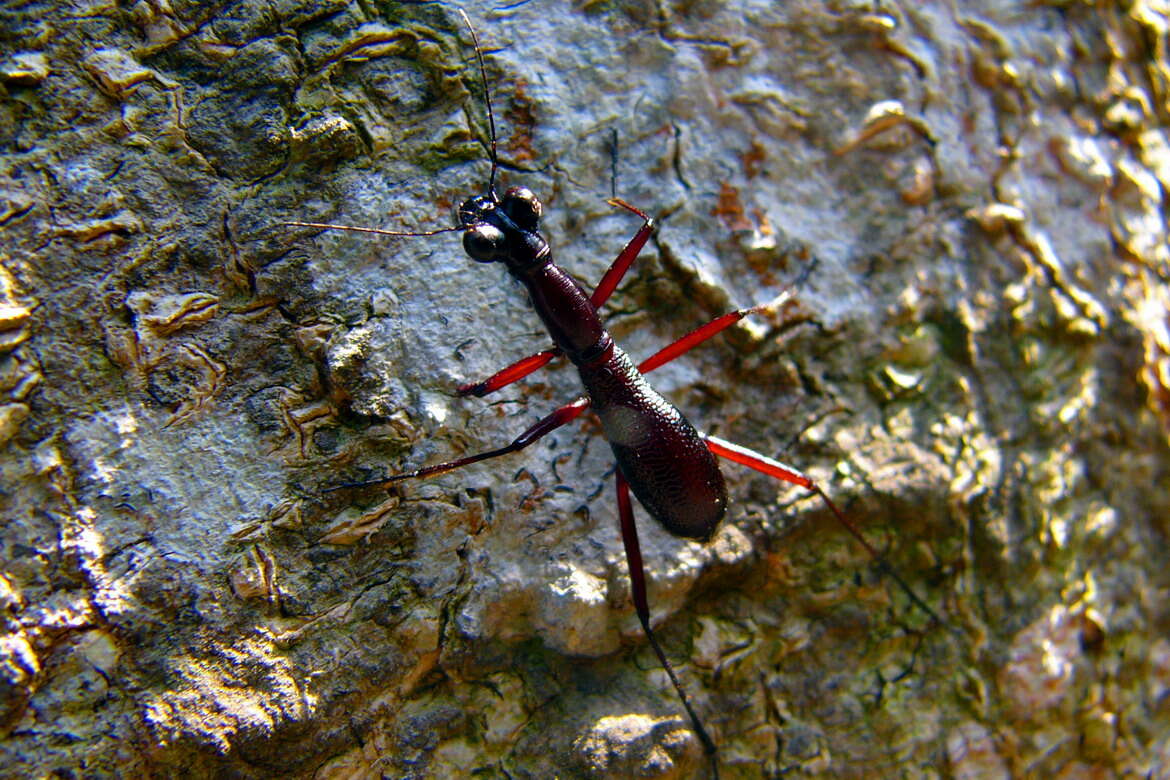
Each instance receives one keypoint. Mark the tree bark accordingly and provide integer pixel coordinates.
(965, 203)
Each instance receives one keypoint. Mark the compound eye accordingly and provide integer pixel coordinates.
(473, 210)
(484, 243)
(522, 207)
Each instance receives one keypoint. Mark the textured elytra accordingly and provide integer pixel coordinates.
(669, 468)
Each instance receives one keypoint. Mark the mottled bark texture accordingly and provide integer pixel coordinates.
(976, 364)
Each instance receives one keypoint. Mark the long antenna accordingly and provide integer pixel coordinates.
(487, 99)
(377, 231)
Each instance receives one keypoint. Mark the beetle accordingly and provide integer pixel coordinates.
(668, 464)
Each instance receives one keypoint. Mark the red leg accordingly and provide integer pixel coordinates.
(642, 607)
(609, 282)
(505, 377)
(774, 468)
(701, 334)
(559, 417)
(613, 277)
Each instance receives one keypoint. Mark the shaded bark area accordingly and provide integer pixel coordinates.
(965, 200)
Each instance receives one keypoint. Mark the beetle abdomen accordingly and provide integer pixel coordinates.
(661, 455)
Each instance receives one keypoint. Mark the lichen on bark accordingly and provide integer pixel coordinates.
(965, 201)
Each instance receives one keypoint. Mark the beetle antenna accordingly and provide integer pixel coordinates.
(487, 99)
(377, 231)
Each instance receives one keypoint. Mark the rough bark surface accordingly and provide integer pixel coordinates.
(970, 201)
